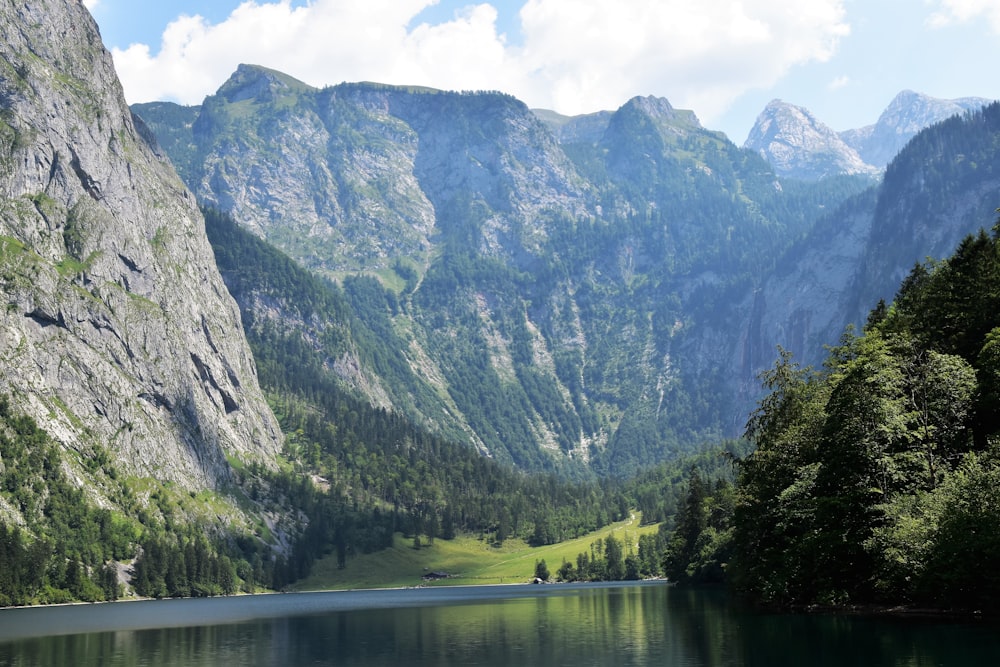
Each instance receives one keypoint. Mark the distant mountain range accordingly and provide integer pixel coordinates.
(599, 288)
(800, 146)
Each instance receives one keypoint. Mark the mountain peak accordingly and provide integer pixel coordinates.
(253, 82)
(908, 113)
(799, 146)
(660, 109)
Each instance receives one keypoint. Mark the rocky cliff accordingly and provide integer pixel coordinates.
(543, 269)
(364, 174)
(117, 332)
(799, 146)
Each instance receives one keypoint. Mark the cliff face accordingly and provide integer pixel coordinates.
(117, 331)
(544, 284)
(359, 176)
(799, 146)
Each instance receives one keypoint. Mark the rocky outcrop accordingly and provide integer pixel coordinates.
(799, 146)
(116, 330)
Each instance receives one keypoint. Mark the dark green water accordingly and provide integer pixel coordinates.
(522, 626)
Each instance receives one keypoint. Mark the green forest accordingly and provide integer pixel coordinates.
(874, 480)
(354, 473)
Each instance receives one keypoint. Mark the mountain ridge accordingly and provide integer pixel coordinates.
(510, 254)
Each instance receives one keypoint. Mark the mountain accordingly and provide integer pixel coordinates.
(462, 284)
(906, 115)
(942, 186)
(118, 335)
(799, 146)
(547, 290)
(586, 128)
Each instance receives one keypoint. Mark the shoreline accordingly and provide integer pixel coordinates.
(149, 614)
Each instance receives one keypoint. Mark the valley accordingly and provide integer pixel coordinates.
(300, 337)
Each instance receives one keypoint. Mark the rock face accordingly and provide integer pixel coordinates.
(907, 114)
(542, 279)
(363, 174)
(799, 146)
(601, 288)
(117, 331)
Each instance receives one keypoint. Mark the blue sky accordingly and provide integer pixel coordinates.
(843, 59)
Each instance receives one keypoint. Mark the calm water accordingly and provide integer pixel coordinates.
(522, 626)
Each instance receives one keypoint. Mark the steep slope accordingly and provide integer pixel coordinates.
(117, 333)
(545, 292)
(800, 146)
(906, 115)
(942, 186)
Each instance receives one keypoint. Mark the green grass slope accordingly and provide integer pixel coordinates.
(467, 560)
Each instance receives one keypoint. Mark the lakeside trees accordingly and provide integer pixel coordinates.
(875, 480)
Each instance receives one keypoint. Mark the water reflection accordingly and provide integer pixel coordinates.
(601, 625)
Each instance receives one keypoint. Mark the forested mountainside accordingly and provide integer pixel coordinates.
(550, 294)
(876, 479)
(137, 452)
(601, 289)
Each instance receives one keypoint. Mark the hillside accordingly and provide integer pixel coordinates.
(549, 293)
(598, 290)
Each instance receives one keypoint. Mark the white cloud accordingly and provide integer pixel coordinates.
(573, 56)
(839, 82)
(699, 55)
(90, 4)
(963, 11)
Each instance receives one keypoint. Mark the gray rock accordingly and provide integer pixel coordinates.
(799, 146)
(116, 330)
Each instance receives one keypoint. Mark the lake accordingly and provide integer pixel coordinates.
(647, 623)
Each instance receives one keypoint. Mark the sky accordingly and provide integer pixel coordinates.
(844, 60)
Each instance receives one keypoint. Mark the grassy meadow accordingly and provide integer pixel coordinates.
(467, 560)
